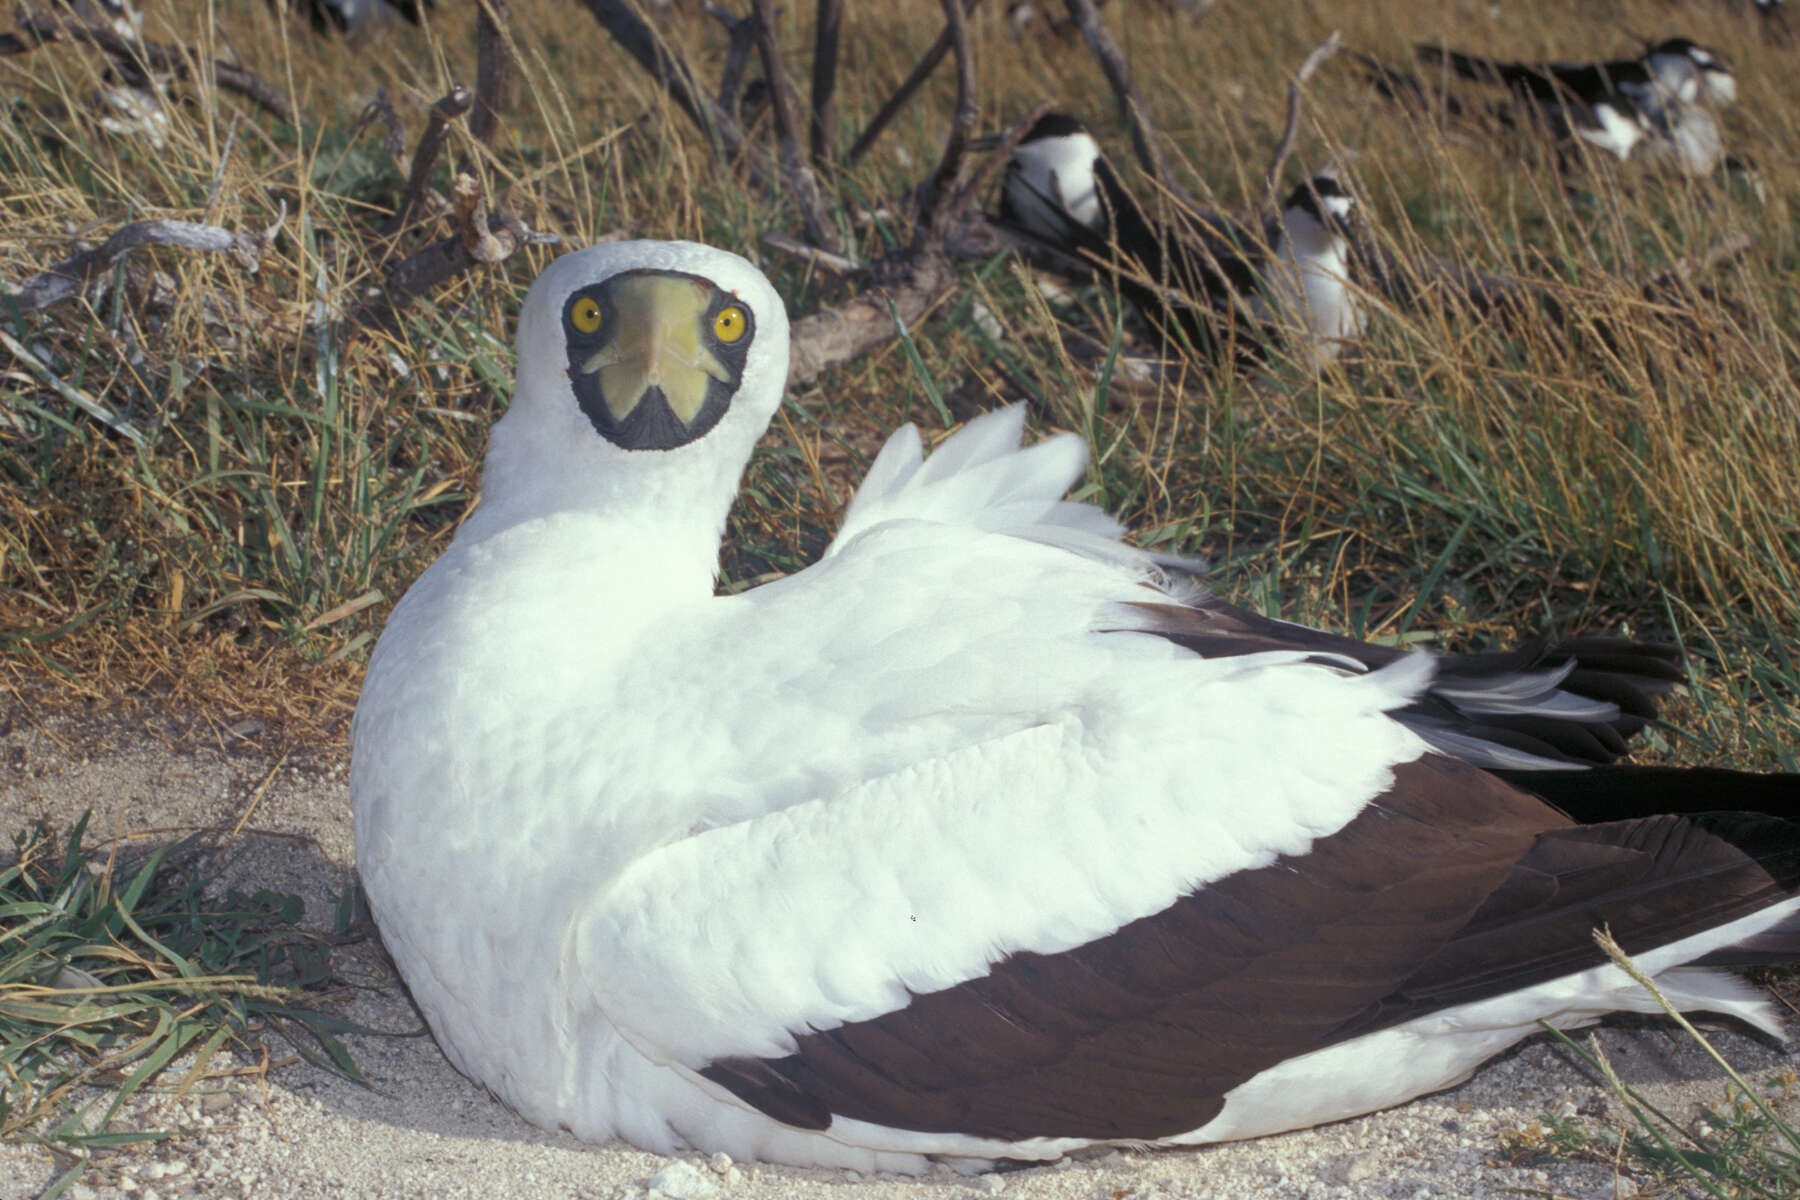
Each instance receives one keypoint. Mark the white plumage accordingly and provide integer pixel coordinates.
(631, 842)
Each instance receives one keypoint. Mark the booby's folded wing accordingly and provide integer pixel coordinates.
(1575, 703)
(924, 957)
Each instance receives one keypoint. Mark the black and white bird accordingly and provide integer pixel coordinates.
(1661, 99)
(347, 16)
(1202, 278)
(978, 838)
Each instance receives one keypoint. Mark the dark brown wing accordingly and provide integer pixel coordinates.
(1141, 1034)
(1449, 888)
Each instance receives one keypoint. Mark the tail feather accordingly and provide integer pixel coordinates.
(1617, 793)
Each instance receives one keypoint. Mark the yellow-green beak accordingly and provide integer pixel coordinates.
(655, 342)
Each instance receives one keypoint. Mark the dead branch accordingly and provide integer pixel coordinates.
(742, 32)
(823, 260)
(492, 63)
(666, 67)
(824, 81)
(1100, 41)
(908, 86)
(136, 59)
(393, 134)
(801, 180)
(470, 206)
(971, 187)
(453, 104)
(481, 237)
(852, 329)
(934, 213)
(72, 276)
(1285, 147)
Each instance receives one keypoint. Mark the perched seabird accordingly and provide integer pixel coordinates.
(1199, 278)
(978, 838)
(1054, 175)
(1660, 99)
(345, 16)
(1306, 282)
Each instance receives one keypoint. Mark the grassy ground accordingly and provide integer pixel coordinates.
(1456, 481)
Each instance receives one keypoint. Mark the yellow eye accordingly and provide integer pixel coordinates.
(730, 324)
(585, 316)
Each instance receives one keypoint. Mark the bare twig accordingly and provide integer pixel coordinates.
(72, 276)
(971, 188)
(470, 205)
(453, 104)
(934, 212)
(908, 86)
(500, 236)
(1285, 147)
(134, 57)
(800, 177)
(1112, 61)
(824, 81)
(218, 183)
(849, 330)
(666, 67)
(831, 264)
(492, 62)
(393, 134)
(742, 32)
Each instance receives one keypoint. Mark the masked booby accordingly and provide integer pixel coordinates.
(977, 838)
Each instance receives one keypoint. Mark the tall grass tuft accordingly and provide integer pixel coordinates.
(121, 966)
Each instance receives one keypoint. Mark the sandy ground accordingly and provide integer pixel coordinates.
(424, 1130)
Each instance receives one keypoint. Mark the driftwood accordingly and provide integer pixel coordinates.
(1285, 147)
(72, 276)
(451, 105)
(1100, 41)
(801, 180)
(848, 331)
(920, 73)
(742, 34)
(133, 57)
(493, 59)
(667, 68)
(827, 30)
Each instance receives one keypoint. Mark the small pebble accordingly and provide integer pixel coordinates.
(681, 1181)
(720, 1162)
(993, 1185)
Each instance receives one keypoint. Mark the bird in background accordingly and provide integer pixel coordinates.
(1657, 105)
(986, 836)
(1200, 278)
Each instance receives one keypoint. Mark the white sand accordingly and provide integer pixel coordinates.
(427, 1131)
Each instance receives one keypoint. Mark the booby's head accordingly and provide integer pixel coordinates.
(1055, 163)
(1672, 59)
(657, 361)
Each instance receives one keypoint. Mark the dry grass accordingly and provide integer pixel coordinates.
(1458, 480)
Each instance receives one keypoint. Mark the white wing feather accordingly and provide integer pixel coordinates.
(981, 477)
